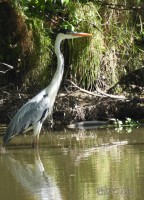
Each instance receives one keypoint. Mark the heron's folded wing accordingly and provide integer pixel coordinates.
(29, 114)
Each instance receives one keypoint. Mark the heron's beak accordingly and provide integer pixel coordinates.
(82, 34)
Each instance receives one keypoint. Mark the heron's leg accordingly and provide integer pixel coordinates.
(35, 142)
(36, 130)
(52, 122)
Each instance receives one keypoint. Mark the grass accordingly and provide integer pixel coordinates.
(88, 52)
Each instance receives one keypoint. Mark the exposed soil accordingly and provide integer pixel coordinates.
(71, 107)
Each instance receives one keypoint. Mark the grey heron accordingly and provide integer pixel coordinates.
(32, 115)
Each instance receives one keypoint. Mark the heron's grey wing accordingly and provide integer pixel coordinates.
(29, 114)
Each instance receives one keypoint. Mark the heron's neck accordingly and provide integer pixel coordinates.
(57, 78)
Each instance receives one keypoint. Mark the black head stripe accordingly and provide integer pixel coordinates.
(65, 31)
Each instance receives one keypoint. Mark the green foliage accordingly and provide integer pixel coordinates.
(115, 49)
(40, 59)
(108, 56)
(119, 33)
(88, 52)
(127, 123)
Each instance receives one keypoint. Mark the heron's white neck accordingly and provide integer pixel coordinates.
(57, 78)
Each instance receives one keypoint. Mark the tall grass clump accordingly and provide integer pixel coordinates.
(118, 42)
(120, 27)
(115, 50)
(87, 52)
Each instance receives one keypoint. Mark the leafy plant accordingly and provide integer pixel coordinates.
(127, 123)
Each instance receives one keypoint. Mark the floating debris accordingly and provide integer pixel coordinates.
(88, 124)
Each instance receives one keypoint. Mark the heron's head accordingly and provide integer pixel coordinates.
(68, 34)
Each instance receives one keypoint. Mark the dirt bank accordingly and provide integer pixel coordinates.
(76, 106)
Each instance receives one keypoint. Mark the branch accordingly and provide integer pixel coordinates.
(111, 95)
(102, 94)
(9, 66)
(83, 90)
(118, 6)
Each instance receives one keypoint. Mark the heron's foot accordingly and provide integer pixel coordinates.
(35, 144)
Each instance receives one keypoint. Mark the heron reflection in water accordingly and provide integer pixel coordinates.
(33, 178)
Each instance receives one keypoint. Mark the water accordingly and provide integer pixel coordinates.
(94, 164)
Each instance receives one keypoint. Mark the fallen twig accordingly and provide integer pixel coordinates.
(102, 94)
(9, 66)
(83, 90)
(111, 95)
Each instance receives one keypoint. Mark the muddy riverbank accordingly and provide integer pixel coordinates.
(75, 106)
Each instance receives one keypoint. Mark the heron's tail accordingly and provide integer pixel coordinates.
(5, 139)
